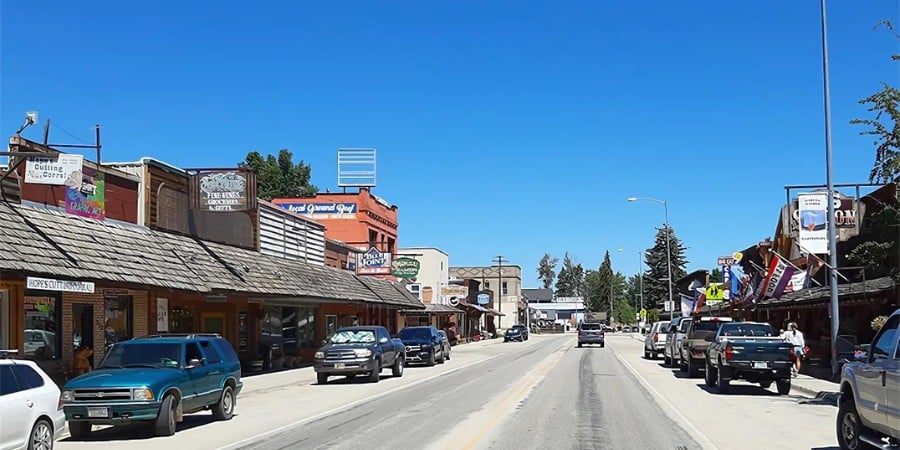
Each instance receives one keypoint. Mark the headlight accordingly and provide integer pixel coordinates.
(426, 346)
(142, 394)
(68, 396)
(362, 352)
(319, 355)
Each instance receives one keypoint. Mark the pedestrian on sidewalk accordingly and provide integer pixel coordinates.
(795, 338)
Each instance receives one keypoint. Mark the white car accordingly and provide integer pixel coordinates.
(31, 416)
(655, 342)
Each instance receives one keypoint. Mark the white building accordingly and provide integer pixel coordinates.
(505, 285)
(434, 273)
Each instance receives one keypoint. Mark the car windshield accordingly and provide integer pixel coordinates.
(353, 337)
(519, 327)
(663, 327)
(749, 330)
(415, 333)
(590, 326)
(151, 355)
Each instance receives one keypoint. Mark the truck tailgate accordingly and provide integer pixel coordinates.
(760, 350)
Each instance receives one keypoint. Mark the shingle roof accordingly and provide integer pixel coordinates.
(45, 241)
(538, 295)
(867, 287)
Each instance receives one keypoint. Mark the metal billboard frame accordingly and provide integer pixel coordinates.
(356, 167)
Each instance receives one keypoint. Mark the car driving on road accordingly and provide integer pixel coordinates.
(591, 333)
(516, 333)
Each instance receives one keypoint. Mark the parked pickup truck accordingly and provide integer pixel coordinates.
(157, 380)
(693, 347)
(364, 350)
(869, 407)
(750, 351)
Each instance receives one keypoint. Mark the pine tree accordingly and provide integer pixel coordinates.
(656, 291)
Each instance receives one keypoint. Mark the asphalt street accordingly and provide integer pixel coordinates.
(542, 394)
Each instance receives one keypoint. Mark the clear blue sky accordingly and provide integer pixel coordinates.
(502, 127)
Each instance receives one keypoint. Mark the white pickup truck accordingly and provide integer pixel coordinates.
(869, 408)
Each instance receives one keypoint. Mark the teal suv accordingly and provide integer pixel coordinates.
(155, 379)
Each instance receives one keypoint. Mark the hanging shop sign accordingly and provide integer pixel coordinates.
(813, 218)
(224, 191)
(373, 262)
(483, 299)
(49, 284)
(457, 291)
(405, 267)
(848, 214)
(59, 170)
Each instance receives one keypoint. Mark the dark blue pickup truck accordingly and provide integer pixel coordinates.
(156, 380)
(750, 351)
(353, 351)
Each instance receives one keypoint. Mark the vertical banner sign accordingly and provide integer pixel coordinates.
(86, 196)
(813, 233)
(162, 315)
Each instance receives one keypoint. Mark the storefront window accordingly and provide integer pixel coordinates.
(119, 319)
(42, 330)
(330, 325)
(271, 326)
(181, 319)
(299, 328)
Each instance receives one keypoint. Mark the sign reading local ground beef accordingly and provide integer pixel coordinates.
(223, 191)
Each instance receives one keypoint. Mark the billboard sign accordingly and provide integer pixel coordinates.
(323, 210)
(223, 191)
(61, 169)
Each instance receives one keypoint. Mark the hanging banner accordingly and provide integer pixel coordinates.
(813, 232)
(89, 198)
(779, 276)
(162, 314)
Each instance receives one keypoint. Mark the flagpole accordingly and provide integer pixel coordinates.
(792, 265)
(809, 253)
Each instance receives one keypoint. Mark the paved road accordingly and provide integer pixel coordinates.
(544, 393)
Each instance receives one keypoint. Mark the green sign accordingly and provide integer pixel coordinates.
(405, 267)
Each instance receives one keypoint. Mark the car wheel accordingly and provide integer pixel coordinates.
(375, 375)
(723, 385)
(397, 369)
(80, 430)
(693, 368)
(783, 386)
(41, 437)
(646, 354)
(849, 427)
(431, 359)
(443, 358)
(710, 375)
(667, 361)
(579, 345)
(448, 355)
(165, 421)
(322, 378)
(224, 409)
(602, 344)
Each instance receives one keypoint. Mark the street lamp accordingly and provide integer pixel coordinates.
(668, 248)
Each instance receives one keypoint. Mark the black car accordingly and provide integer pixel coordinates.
(516, 333)
(423, 345)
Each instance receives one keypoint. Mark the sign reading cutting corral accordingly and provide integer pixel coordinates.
(49, 284)
(62, 169)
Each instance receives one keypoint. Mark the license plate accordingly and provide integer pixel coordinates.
(760, 365)
(339, 366)
(98, 412)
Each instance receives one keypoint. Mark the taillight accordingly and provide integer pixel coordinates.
(655, 337)
(59, 405)
(729, 352)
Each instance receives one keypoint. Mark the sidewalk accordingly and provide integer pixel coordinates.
(267, 382)
(802, 384)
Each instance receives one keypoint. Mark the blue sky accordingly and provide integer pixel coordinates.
(501, 127)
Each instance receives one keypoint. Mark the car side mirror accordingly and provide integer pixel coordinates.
(192, 363)
(383, 340)
(324, 342)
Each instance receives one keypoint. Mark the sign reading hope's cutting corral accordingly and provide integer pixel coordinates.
(55, 170)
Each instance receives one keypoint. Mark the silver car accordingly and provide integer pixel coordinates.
(674, 337)
(655, 342)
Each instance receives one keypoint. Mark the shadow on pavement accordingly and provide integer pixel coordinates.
(830, 447)
(144, 430)
(741, 389)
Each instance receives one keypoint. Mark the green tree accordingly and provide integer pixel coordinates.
(884, 125)
(715, 276)
(625, 313)
(633, 291)
(565, 282)
(547, 270)
(279, 176)
(656, 289)
(652, 315)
